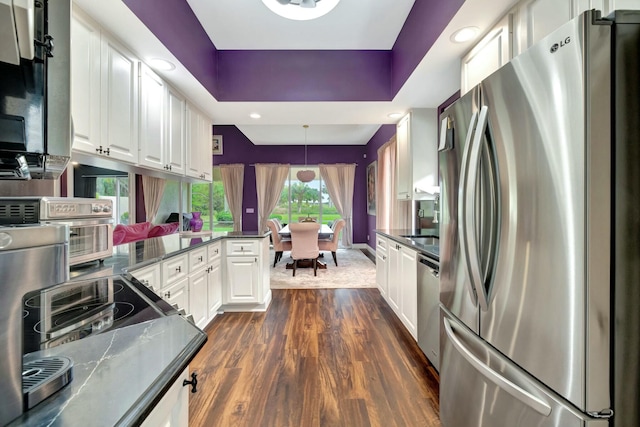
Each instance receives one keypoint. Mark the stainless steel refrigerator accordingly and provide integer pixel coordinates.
(540, 235)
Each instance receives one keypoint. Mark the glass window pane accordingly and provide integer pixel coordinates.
(115, 188)
(222, 220)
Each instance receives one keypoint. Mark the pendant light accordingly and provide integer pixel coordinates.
(306, 175)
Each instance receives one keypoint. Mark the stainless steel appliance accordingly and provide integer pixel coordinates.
(429, 308)
(35, 88)
(90, 222)
(539, 262)
(31, 258)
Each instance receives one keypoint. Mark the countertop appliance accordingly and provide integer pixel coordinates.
(35, 88)
(90, 222)
(540, 263)
(429, 308)
(32, 258)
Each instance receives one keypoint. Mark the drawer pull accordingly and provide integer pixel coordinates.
(200, 258)
(193, 382)
(167, 294)
(178, 269)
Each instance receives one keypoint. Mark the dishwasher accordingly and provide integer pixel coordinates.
(429, 308)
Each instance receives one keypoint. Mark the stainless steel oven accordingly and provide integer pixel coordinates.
(90, 222)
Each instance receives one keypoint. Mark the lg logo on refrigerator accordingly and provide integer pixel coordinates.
(557, 46)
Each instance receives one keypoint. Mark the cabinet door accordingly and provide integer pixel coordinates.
(197, 259)
(409, 290)
(173, 408)
(198, 297)
(205, 148)
(623, 4)
(538, 18)
(176, 132)
(119, 101)
(491, 53)
(193, 132)
(178, 294)
(243, 275)
(382, 272)
(152, 119)
(393, 297)
(214, 294)
(85, 84)
(403, 158)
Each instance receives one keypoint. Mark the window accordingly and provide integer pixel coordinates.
(115, 188)
(299, 200)
(211, 201)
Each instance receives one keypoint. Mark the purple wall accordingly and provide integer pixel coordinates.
(175, 25)
(304, 75)
(239, 149)
(425, 23)
(296, 75)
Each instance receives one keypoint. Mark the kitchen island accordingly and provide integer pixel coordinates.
(123, 374)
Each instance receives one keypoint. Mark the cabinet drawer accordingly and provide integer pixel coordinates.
(197, 259)
(214, 251)
(174, 269)
(243, 247)
(381, 244)
(149, 276)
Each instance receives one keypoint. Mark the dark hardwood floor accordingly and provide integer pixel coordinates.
(324, 357)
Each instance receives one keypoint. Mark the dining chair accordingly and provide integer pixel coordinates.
(279, 245)
(304, 243)
(332, 245)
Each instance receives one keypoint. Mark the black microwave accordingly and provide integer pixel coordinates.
(35, 95)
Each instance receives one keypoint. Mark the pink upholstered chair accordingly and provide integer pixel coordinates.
(332, 245)
(304, 242)
(279, 245)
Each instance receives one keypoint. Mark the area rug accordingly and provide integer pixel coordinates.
(354, 270)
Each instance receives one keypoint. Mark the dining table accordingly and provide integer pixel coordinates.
(324, 233)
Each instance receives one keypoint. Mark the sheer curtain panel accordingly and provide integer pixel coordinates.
(340, 179)
(391, 213)
(270, 179)
(152, 189)
(233, 182)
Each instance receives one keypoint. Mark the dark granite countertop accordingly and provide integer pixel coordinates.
(118, 375)
(130, 256)
(412, 238)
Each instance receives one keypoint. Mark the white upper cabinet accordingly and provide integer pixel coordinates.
(198, 144)
(119, 100)
(85, 89)
(490, 53)
(539, 18)
(176, 131)
(152, 119)
(417, 155)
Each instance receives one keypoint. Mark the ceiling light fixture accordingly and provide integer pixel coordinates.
(465, 34)
(255, 115)
(161, 64)
(301, 10)
(305, 175)
(394, 115)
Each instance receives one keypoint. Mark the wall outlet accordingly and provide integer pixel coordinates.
(367, 237)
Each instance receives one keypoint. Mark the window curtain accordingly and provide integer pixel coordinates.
(233, 182)
(340, 179)
(391, 213)
(152, 189)
(270, 179)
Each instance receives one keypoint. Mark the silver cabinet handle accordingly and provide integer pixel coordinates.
(167, 294)
(200, 258)
(178, 269)
(514, 390)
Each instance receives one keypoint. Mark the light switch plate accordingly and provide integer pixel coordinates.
(249, 210)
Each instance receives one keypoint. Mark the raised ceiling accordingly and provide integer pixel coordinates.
(241, 28)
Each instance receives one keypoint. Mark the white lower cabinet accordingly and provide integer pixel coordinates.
(173, 408)
(397, 276)
(246, 275)
(150, 276)
(198, 297)
(178, 294)
(214, 289)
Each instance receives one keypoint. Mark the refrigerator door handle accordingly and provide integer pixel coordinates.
(514, 390)
(469, 211)
(462, 193)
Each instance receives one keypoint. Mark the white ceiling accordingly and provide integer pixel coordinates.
(353, 24)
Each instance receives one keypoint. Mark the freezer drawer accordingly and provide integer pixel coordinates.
(479, 387)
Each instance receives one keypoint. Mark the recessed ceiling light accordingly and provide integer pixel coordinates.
(465, 34)
(255, 115)
(301, 10)
(394, 115)
(161, 64)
